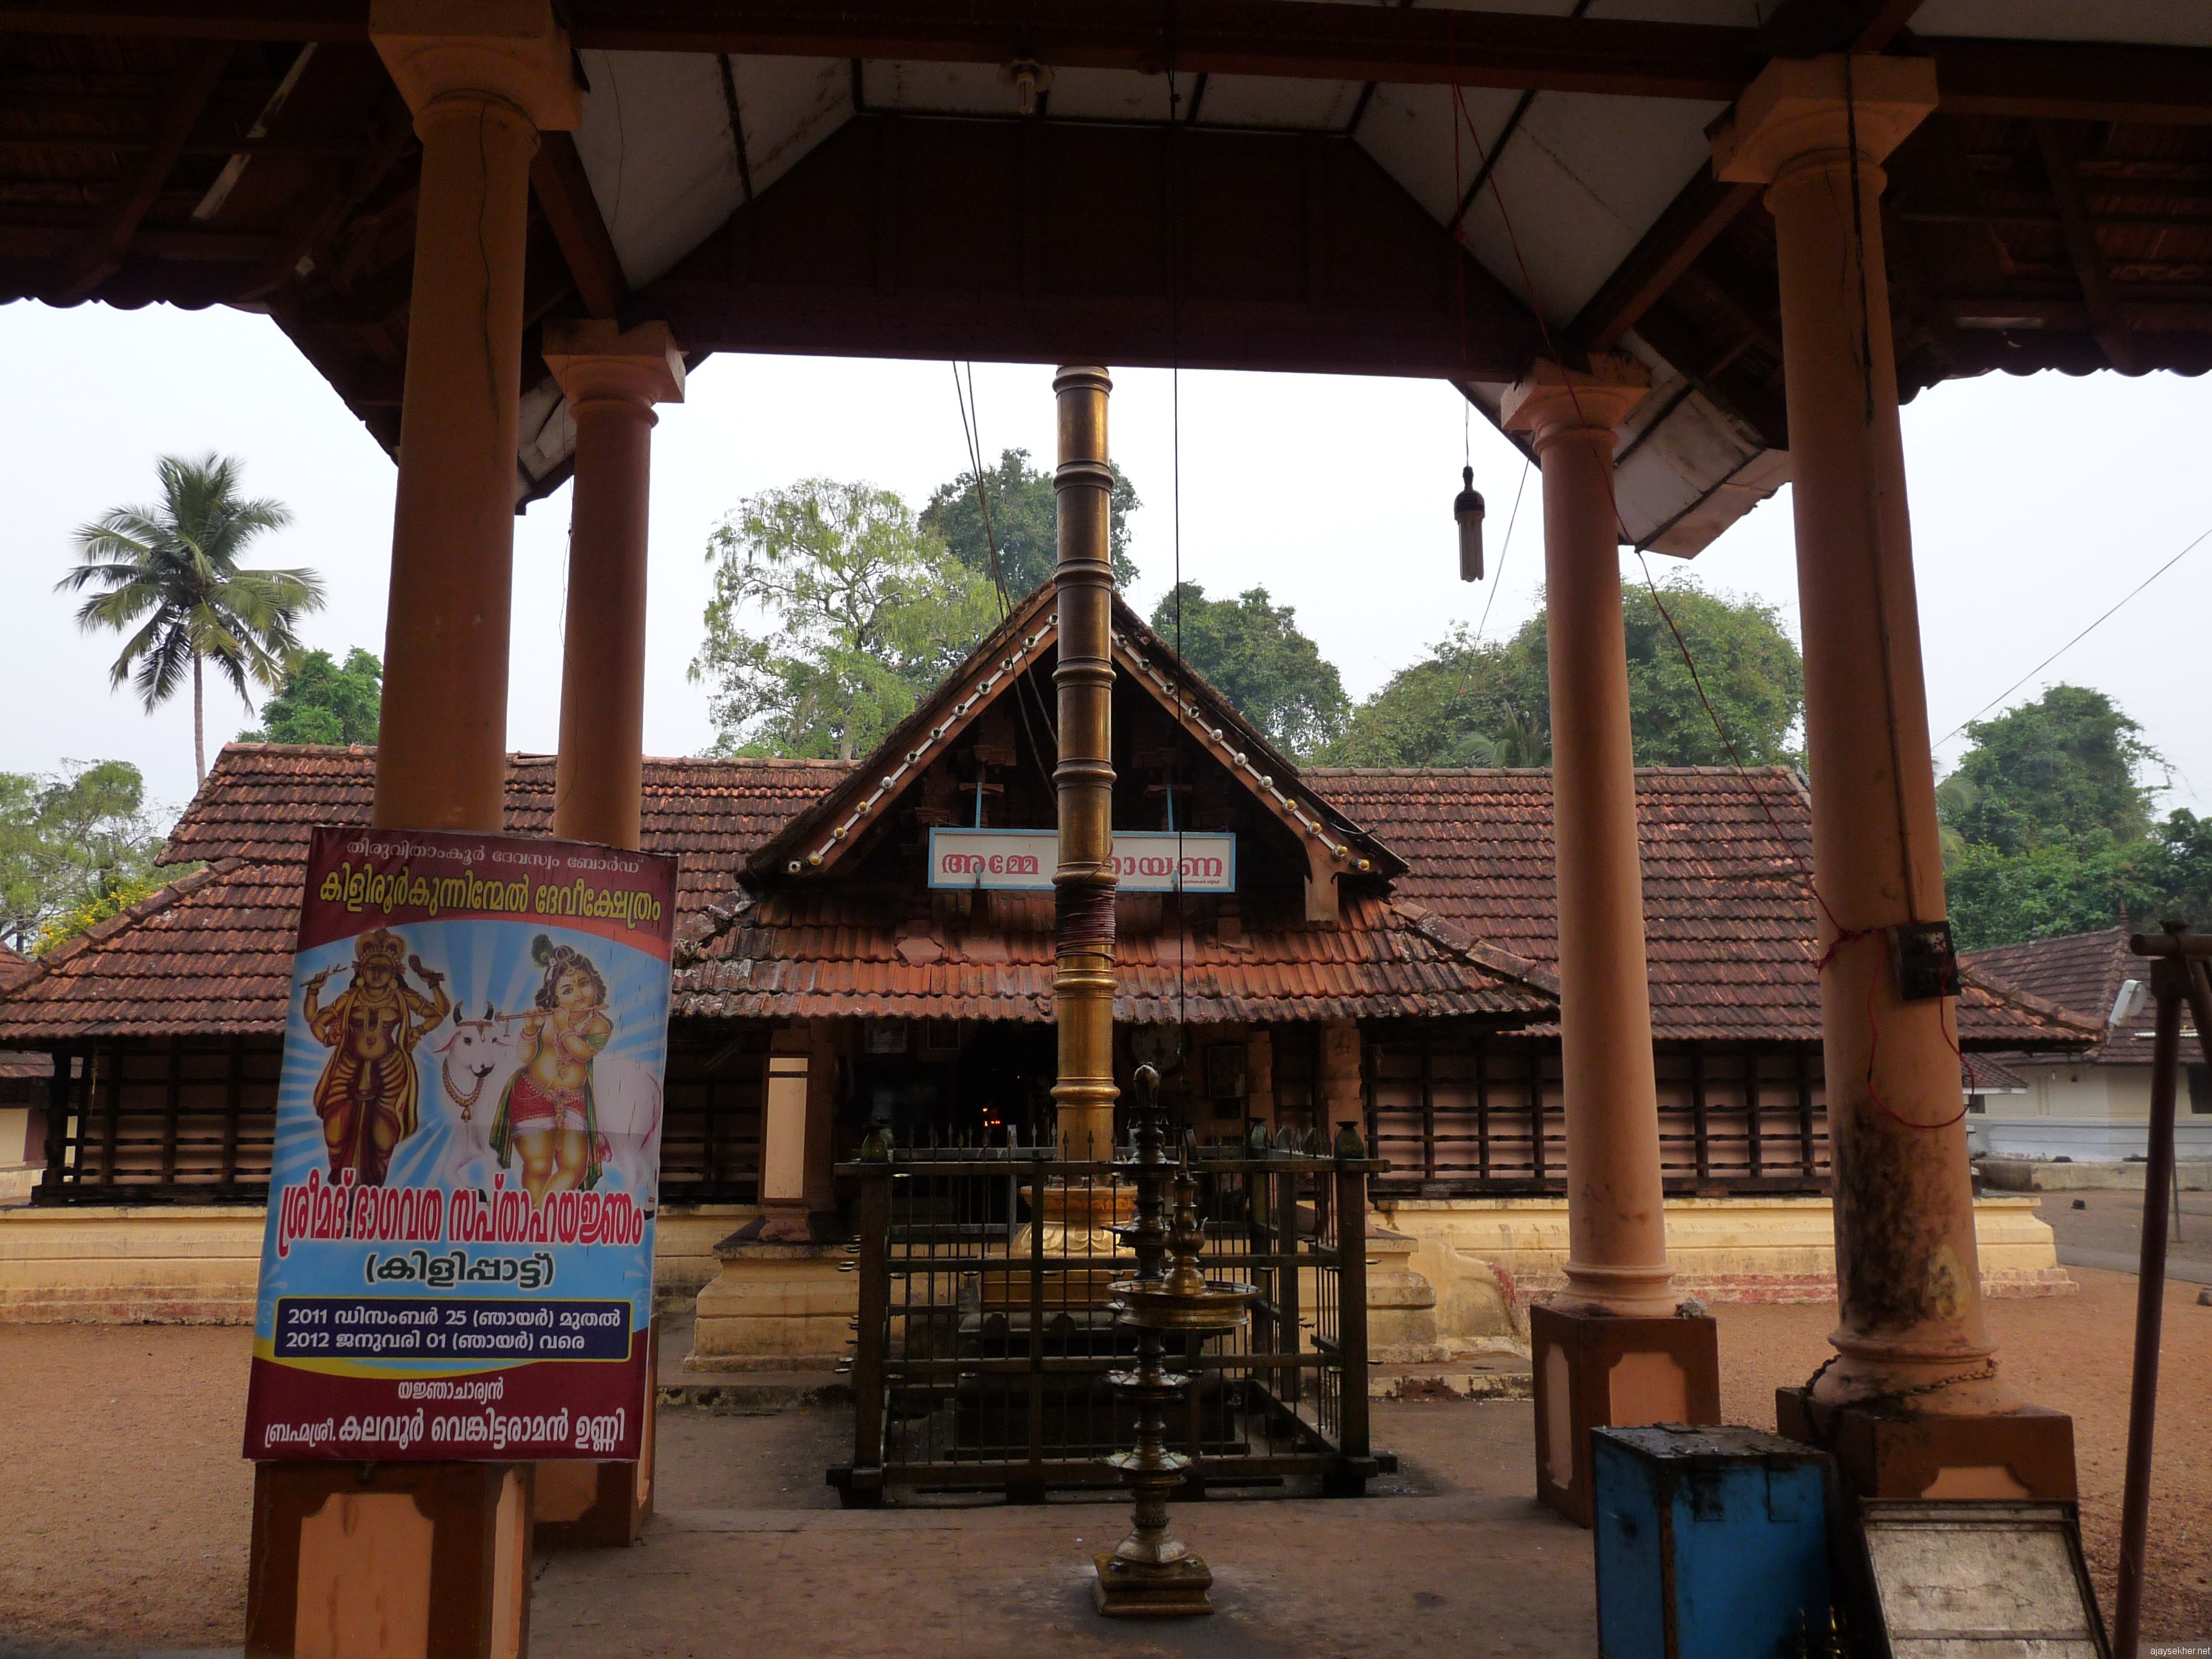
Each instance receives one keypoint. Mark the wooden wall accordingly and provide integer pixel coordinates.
(1473, 1115)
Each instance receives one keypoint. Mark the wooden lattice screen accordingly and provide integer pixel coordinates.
(192, 1120)
(1479, 1117)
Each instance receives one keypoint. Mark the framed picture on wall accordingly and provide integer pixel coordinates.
(885, 1037)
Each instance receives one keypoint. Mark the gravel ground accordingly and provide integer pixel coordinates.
(2072, 1354)
(126, 1504)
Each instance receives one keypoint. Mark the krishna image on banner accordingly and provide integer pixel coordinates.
(457, 1258)
(547, 1113)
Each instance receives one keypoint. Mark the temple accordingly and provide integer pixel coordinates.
(833, 977)
(1678, 263)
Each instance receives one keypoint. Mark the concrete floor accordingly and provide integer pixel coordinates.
(750, 1549)
(2106, 1231)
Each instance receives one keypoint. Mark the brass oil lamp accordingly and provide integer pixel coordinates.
(1151, 1573)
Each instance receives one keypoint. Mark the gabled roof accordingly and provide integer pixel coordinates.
(1468, 929)
(814, 841)
(2082, 973)
(14, 964)
(1728, 915)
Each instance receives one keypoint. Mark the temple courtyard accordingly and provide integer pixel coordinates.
(748, 1542)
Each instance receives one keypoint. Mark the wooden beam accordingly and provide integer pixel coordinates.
(2056, 145)
(98, 256)
(298, 21)
(1705, 207)
(1295, 252)
(564, 195)
(1301, 40)
(2073, 81)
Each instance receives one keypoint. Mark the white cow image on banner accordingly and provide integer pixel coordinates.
(476, 1058)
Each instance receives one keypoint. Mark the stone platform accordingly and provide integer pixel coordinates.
(1450, 1551)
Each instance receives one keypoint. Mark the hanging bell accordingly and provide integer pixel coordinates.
(1468, 509)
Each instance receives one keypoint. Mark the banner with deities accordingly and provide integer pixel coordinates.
(458, 1258)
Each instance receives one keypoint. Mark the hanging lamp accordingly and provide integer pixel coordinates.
(1468, 509)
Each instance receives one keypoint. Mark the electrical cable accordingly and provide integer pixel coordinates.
(971, 430)
(2206, 535)
(1843, 936)
(1498, 577)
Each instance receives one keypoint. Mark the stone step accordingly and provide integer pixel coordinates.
(745, 1393)
(1481, 1377)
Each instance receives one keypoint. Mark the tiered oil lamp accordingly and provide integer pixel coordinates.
(1151, 1573)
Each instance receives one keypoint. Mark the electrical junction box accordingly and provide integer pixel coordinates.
(1711, 1543)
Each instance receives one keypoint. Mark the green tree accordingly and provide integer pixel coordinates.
(2066, 766)
(864, 613)
(1024, 520)
(70, 843)
(1483, 704)
(1251, 650)
(2048, 829)
(1452, 709)
(167, 576)
(323, 702)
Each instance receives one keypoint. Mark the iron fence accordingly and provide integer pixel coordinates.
(985, 1333)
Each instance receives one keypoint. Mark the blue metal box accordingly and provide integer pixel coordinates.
(1712, 1543)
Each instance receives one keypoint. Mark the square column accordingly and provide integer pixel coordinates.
(1609, 1349)
(1911, 1349)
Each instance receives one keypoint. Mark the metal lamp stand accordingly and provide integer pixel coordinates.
(1151, 1573)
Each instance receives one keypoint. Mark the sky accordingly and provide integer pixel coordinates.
(2036, 503)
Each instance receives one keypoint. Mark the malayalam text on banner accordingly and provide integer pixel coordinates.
(458, 1258)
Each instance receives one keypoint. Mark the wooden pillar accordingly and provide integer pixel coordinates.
(612, 380)
(445, 1546)
(1609, 1349)
(798, 1178)
(1260, 1076)
(1083, 885)
(483, 77)
(1910, 1336)
(1342, 1095)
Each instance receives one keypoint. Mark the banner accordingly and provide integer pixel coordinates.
(1022, 860)
(458, 1258)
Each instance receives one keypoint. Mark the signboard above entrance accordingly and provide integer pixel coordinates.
(1022, 860)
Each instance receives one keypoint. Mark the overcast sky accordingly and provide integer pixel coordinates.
(2036, 503)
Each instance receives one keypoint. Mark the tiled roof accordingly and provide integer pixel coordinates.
(1981, 1075)
(1470, 930)
(819, 952)
(260, 799)
(2082, 973)
(211, 951)
(1729, 915)
(13, 966)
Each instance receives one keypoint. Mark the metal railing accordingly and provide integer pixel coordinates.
(986, 1334)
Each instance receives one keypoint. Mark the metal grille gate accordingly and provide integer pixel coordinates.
(984, 1341)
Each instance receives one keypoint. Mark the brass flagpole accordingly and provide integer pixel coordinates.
(1083, 982)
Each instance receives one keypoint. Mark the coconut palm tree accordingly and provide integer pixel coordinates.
(168, 576)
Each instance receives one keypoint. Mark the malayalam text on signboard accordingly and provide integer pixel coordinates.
(1022, 860)
(459, 1256)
